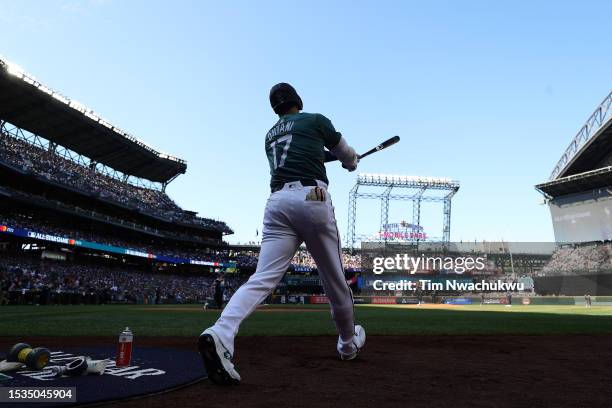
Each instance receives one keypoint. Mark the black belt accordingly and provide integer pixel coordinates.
(305, 182)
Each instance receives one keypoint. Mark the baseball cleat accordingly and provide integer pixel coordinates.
(217, 359)
(350, 349)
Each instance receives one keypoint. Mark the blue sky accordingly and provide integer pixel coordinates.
(489, 93)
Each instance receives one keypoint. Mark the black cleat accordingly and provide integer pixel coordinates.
(217, 360)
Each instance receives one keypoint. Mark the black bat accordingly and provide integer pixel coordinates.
(389, 142)
(383, 145)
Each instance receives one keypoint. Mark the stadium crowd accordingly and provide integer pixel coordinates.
(52, 166)
(24, 280)
(105, 218)
(301, 262)
(579, 259)
(46, 227)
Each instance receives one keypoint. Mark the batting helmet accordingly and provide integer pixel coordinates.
(283, 96)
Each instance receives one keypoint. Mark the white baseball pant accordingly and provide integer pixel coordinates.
(289, 220)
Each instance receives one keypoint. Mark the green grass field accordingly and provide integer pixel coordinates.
(286, 320)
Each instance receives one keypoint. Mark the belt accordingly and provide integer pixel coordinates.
(304, 182)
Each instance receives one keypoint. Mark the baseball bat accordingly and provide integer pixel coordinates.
(383, 145)
(389, 142)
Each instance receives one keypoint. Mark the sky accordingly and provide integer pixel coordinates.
(487, 93)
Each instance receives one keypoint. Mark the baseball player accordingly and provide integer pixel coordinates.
(219, 286)
(299, 210)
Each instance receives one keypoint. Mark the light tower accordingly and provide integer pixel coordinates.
(411, 188)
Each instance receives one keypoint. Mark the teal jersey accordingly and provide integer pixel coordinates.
(295, 147)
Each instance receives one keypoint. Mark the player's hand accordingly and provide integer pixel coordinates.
(352, 166)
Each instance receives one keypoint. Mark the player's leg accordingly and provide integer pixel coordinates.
(216, 344)
(323, 241)
(279, 244)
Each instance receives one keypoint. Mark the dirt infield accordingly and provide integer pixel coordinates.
(394, 371)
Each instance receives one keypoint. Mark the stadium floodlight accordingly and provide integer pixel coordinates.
(77, 105)
(28, 80)
(168, 156)
(14, 69)
(105, 123)
(132, 138)
(400, 180)
(60, 97)
(45, 90)
(92, 115)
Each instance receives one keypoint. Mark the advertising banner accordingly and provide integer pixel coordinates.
(458, 301)
(384, 300)
(41, 236)
(407, 300)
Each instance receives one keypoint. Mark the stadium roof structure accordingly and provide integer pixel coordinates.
(32, 106)
(592, 143)
(576, 183)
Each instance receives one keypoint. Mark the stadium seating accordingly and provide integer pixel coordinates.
(26, 280)
(59, 169)
(580, 259)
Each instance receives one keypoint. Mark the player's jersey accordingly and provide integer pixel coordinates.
(295, 147)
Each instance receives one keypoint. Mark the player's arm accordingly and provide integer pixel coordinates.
(329, 157)
(337, 146)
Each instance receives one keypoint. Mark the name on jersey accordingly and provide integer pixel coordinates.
(280, 129)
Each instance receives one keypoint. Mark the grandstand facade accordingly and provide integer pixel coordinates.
(579, 196)
(76, 188)
(579, 192)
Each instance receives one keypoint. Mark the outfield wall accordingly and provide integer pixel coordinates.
(450, 300)
(574, 285)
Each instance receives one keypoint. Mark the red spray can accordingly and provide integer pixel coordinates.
(124, 348)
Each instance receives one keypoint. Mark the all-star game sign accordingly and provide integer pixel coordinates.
(152, 370)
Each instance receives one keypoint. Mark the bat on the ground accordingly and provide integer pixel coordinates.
(389, 142)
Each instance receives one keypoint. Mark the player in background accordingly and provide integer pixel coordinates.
(587, 300)
(219, 286)
(299, 210)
